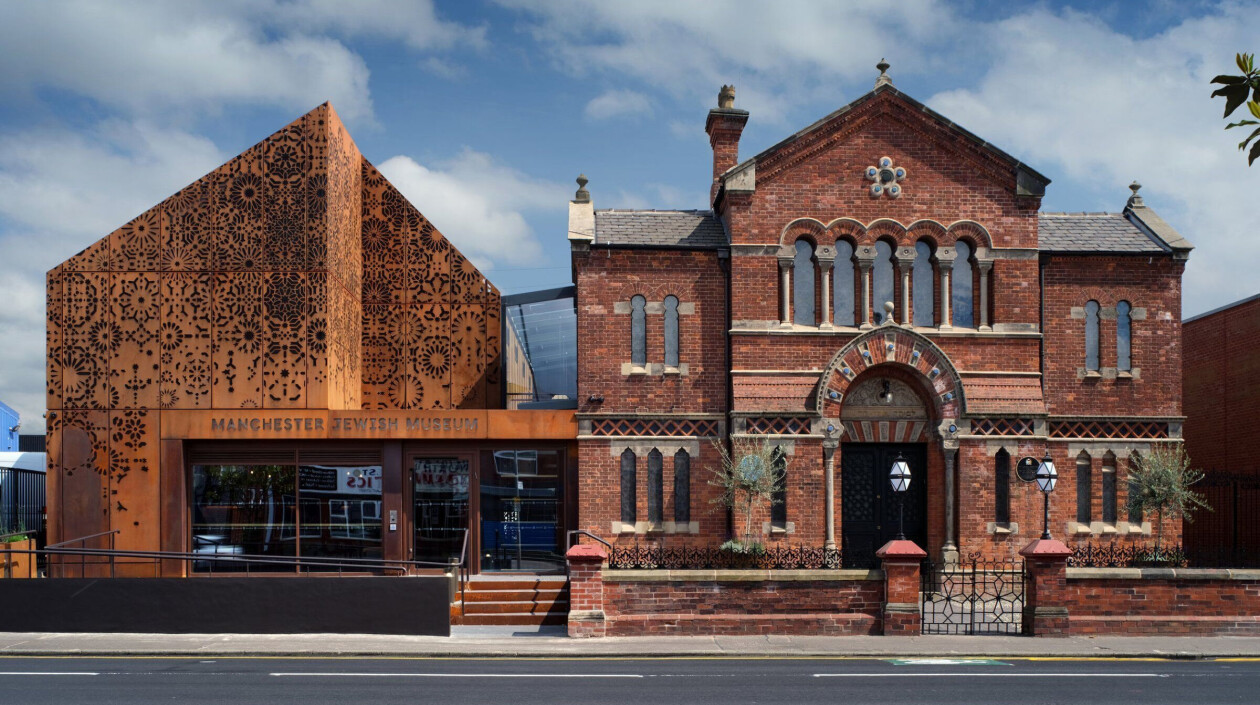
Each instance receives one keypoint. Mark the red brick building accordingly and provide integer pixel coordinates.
(881, 283)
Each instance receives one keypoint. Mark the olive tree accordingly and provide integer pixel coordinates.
(747, 476)
(1160, 483)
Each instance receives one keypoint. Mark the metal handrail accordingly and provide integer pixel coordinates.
(60, 544)
(568, 542)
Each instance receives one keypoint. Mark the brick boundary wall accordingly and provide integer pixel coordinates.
(1163, 601)
(728, 602)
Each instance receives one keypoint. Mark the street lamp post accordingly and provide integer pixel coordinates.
(899, 476)
(1047, 476)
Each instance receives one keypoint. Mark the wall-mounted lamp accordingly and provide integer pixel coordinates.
(595, 399)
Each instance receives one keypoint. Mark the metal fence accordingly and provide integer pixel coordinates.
(22, 503)
(973, 596)
(658, 555)
(1229, 535)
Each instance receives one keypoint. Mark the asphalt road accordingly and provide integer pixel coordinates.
(277, 681)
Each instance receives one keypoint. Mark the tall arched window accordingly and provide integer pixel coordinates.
(671, 331)
(1084, 477)
(778, 498)
(1124, 336)
(1091, 336)
(1109, 488)
(628, 492)
(1002, 487)
(682, 487)
(924, 286)
(1135, 516)
(656, 487)
(803, 285)
(842, 282)
(638, 331)
(960, 293)
(882, 284)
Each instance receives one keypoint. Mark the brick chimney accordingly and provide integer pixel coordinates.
(724, 126)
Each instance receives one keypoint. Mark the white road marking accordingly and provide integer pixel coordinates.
(463, 675)
(48, 673)
(991, 675)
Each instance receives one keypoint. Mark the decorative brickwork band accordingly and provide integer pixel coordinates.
(778, 426)
(1002, 427)
(655, 427)
(1101, 428)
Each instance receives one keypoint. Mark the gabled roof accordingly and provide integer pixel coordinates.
(1138, 230)
(1029, 182)
(651, 228)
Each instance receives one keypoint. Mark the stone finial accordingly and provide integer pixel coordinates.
(888, 312)
(726, 97)
(1135, 199)
(582, 195)
(883, 79)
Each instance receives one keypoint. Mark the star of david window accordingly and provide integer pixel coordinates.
(887, 178)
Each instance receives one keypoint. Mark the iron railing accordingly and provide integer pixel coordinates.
(659, 556)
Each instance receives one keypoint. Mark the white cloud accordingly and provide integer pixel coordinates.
(60, 191)
(614, 103)
(155, 58)
(479, 204)
(1066, 91)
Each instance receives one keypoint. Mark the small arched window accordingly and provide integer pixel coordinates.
(1084, 473)
(656, 487)
(843, 284)
(628, 489)
(1109, 505)
(682, 487)
(1124, 336)
(1091, 336)
(1002, 487)
(960, 292)
(638, 331)
(671, 331)
(882, 281)
(803, 285)
(924, 286)
(778, 498)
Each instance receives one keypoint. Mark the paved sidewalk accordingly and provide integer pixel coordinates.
(494, 643)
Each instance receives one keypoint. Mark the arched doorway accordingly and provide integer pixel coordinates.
(884, 419)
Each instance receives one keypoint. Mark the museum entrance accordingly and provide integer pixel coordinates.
(868, 505)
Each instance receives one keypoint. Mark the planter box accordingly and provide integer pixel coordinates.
(17, 565)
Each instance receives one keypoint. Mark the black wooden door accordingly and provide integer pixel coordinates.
(868, 506)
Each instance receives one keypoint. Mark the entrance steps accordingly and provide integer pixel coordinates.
(513, 600)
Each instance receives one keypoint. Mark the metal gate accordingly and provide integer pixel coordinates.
(975, 596)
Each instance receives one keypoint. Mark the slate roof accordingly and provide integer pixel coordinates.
(690, 229)
(1094, 232)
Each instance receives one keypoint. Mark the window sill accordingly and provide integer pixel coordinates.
(655, 528)
(1003, 528)
(777, 528)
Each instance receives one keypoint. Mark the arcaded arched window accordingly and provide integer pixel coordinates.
(1109, 505)
(1084, 477)
(628, 488)
(803, 285)
(656, 487)
(778, 499)
(924, 286)
(1135, 516)
(960, 288)
(638, 331)
(671, 331)
(1002, 487)
(842, 283)
(1091, 336)
(1124, 336)
(882, 281)
(682, 487)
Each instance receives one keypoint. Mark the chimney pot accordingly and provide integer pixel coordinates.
(726, 97)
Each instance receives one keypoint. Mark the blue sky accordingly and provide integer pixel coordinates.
(483, 112)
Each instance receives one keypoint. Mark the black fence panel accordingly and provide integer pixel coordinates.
(22, 503)
(1229, 535)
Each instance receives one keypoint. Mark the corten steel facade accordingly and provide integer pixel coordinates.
(290, 304)
(1012, 333)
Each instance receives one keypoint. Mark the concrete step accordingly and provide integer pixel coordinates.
(557, 607)
(518, 584)
(471, 595)
(514, 618)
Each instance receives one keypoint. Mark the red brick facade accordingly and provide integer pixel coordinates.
(1000, 368)
(1221, 379)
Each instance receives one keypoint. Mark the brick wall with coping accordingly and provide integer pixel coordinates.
(1163, 602)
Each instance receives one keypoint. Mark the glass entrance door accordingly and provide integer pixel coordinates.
(440, 488)
(521, 510)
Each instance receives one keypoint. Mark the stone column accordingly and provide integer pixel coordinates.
(785, 285)
(945, 258)
(825, 264)
(1045, 596)
(586, 590)
(829, 464)
(949, 552)
(901, 560)
(905, 261)
(864, 319)
(985, 267)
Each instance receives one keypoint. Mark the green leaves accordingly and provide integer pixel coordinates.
(1235, 90)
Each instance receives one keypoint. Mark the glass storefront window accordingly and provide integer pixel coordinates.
(440, 495)
(521, 506)
(277, 510)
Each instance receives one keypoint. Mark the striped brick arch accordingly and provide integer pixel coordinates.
(900, 349)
